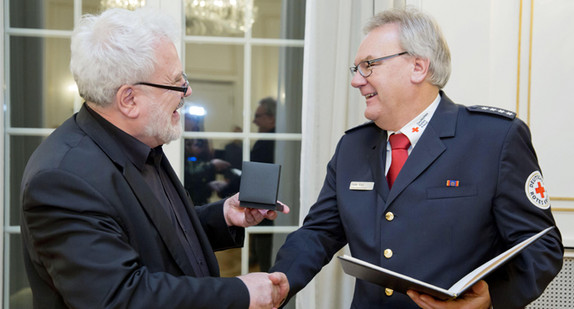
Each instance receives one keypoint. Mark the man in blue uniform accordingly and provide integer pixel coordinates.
(470, 188)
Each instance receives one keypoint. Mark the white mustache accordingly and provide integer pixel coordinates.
(181, 102)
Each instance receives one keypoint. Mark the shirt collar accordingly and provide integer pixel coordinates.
(415, 128)
(136, 151)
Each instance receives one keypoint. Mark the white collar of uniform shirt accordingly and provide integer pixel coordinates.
(413, 130)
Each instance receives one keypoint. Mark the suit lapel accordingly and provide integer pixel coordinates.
(429, 147)
(377, 158)
(159, 217)
(427, 150)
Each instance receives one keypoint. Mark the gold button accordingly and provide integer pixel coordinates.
(389, 292)
(389, 216)
(388, 253)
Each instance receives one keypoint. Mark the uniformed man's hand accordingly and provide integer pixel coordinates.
(236, 215)
(478, 297)
(266, 290)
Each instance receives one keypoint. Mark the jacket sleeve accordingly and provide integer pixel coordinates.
(517, 216)
(77, 244)
(221, 236)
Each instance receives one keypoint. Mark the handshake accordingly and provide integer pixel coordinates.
(266, 290)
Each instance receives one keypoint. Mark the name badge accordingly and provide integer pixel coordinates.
(362, 185)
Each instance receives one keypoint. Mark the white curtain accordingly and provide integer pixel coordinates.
(330, 106)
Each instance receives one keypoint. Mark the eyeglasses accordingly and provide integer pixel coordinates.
(175, 88)
(364, 67)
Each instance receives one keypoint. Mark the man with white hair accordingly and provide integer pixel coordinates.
(106, 223)
(428, 188)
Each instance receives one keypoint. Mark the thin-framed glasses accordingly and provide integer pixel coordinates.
(182, 89)
(365, 67)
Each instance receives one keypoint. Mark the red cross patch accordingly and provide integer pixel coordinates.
(536, 191)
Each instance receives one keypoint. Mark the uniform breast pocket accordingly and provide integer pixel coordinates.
(451, 192)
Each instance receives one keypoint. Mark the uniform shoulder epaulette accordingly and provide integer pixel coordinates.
(366, 124)
(492, 110)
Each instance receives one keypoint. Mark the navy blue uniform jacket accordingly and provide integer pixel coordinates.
(95, 236)
(437, 233)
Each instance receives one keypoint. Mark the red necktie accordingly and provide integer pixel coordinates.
(399, 144)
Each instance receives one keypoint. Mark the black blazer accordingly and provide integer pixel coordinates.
(95, 236)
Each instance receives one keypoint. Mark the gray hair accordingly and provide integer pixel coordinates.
(270, 105)
(117, 48)
(420, 36)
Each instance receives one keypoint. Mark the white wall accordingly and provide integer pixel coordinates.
(528, 73)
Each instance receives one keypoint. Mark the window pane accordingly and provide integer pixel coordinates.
(21, 148)
(42, 89)
(207, 182)
(288, 155)
(216, 18)
(229, 262)
(97, 6)
(41, 14)
(263, 249)
(276, 19)
(19, 288)
(212, 168)
(215, 74)
(277, 73)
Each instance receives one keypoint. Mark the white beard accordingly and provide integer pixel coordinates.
(162, 128)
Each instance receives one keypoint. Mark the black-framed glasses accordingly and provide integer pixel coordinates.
(365, 67)
(182, 89)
